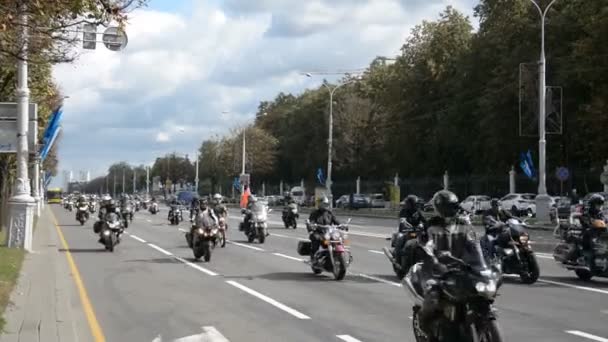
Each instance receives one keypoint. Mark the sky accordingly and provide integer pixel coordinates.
(193, 69)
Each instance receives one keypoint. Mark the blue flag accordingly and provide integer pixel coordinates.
(236, 184)
(52, 126)
(320, 176)
(527, 165)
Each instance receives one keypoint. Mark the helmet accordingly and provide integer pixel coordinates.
(203, 204)
(217, 198)
(111, 203)
(252, 199)
(324, 203)
(595, 203)
(410, 202)
(494, 203)
(446, 203)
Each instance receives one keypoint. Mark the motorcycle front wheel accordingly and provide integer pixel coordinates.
(531, 271)
(339, 267)
(223, 239)
(207, 251)
(488, 332)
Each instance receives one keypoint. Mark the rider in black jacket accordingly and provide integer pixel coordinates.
(412, 216)
(493, 220)
(321, 216)
(591, 212)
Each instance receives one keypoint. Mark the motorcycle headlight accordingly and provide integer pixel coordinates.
(201, 231)
(335, 236)
(523, 238)
(488, 289)
(214, 231)
(106, 232)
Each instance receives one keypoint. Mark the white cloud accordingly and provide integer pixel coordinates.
(181, 70)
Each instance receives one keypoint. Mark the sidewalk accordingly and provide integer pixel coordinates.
(45, 304)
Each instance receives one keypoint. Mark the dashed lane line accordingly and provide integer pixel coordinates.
(268, 300)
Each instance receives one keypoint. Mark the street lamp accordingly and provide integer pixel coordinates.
(331, 90)
(542, 199)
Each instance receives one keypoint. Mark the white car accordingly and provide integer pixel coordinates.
(476, 204)
(522, 203)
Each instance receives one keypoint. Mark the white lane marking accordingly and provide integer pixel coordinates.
(374, 235)
(584, 288)
(544, 256)
(149, 221)
(605, 312)
(586, 335)
(347, 338)
(137, 238)
(159, 249)
(246, 246)
(288, 257)
(182, 230)
(289, 237)
(195, 266)
(374, 251)
(268, 300)
(363, 275)
(213, 335)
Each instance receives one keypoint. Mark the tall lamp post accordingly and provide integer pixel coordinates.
(542, 199)
(331, 90)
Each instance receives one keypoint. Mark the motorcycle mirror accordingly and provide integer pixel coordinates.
(348, 221)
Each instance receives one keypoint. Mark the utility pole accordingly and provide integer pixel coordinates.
(542, 199)
(243, 162)
(147, 180)
(123, 179)
(114, 188)
(134, 181)
(196, 174)
(22, 203)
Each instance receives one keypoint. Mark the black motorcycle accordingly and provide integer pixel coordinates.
(175, 215)
(127, 214)
(466, 302)
(82, 213)
(290, 216)
(402, 260)
(569, 253)
(513, 252)
(203, 241)
(110, 230)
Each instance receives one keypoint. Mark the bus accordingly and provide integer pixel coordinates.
(54, 195)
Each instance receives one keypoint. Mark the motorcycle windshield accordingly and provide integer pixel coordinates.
(460, 241)
(111, 217)
(259, 213)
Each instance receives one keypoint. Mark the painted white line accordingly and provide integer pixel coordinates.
(195, 266)
(288, 257)
(347, 338)
(374, 235)
(584, 288)
(159, 249)
(268, 300)
(586, 335)
(150, 221)
(290, 237)
(542, 256)
(137, 238)
(246, 246)
(374, 251)
(212, 335)
(362, 275)
(182, 230)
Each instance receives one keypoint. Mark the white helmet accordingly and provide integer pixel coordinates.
(324, 203)
(217, 198)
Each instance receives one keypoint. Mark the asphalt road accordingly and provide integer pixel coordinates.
(150, 289)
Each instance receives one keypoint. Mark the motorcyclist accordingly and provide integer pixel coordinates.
(591, 212)
(108, 206)
(219, 209)
(321, 216)
(494, 220)
(412, 216)
(449, 236)
(205, 218)
(289, 204)
(194, 207)
(252, 201)
(173, 205)
(81, 202)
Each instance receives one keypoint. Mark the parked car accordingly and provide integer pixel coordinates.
(519, 204)
(360, 201)
(342, 202)
(377, 201)
(476, 204)
(564, 207)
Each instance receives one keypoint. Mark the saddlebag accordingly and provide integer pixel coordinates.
(97, 227)
(304, 247)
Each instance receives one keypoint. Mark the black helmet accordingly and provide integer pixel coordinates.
(203, 204)
(446, 203)
(494, 203)
(410, 202)
(596, 202)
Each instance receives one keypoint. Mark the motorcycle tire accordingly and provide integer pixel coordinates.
(490, 332)
(81, 222)
(207, 251)
(262, 238)
(340, 272)
(400, 272)
(316, 270)
(250, 238)
(198, 252)
(295, 224)
(532, 272)
(223, 239)
(419, 335)
(110, 242)
(126, 223)
(583, 275)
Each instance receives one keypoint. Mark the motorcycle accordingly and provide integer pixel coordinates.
(333, 255)
(153, 208)
(127, 214)
(223, 226)
(290, 216)
(92, 207)
(137, 205)
(408, 232)
(70, 205)
(466, 302)
(82, 214)
(110, 231)
(175, 215)
(257, 228)
(513, 252)
(203, 240)
(569, 252)
(144, 204)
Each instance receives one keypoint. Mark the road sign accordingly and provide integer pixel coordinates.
(89, 36)
(114, 38)
(562, 174)
(8, 127)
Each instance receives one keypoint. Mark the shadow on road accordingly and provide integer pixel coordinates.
(156, 261)
(71, 225)
(83, 250)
